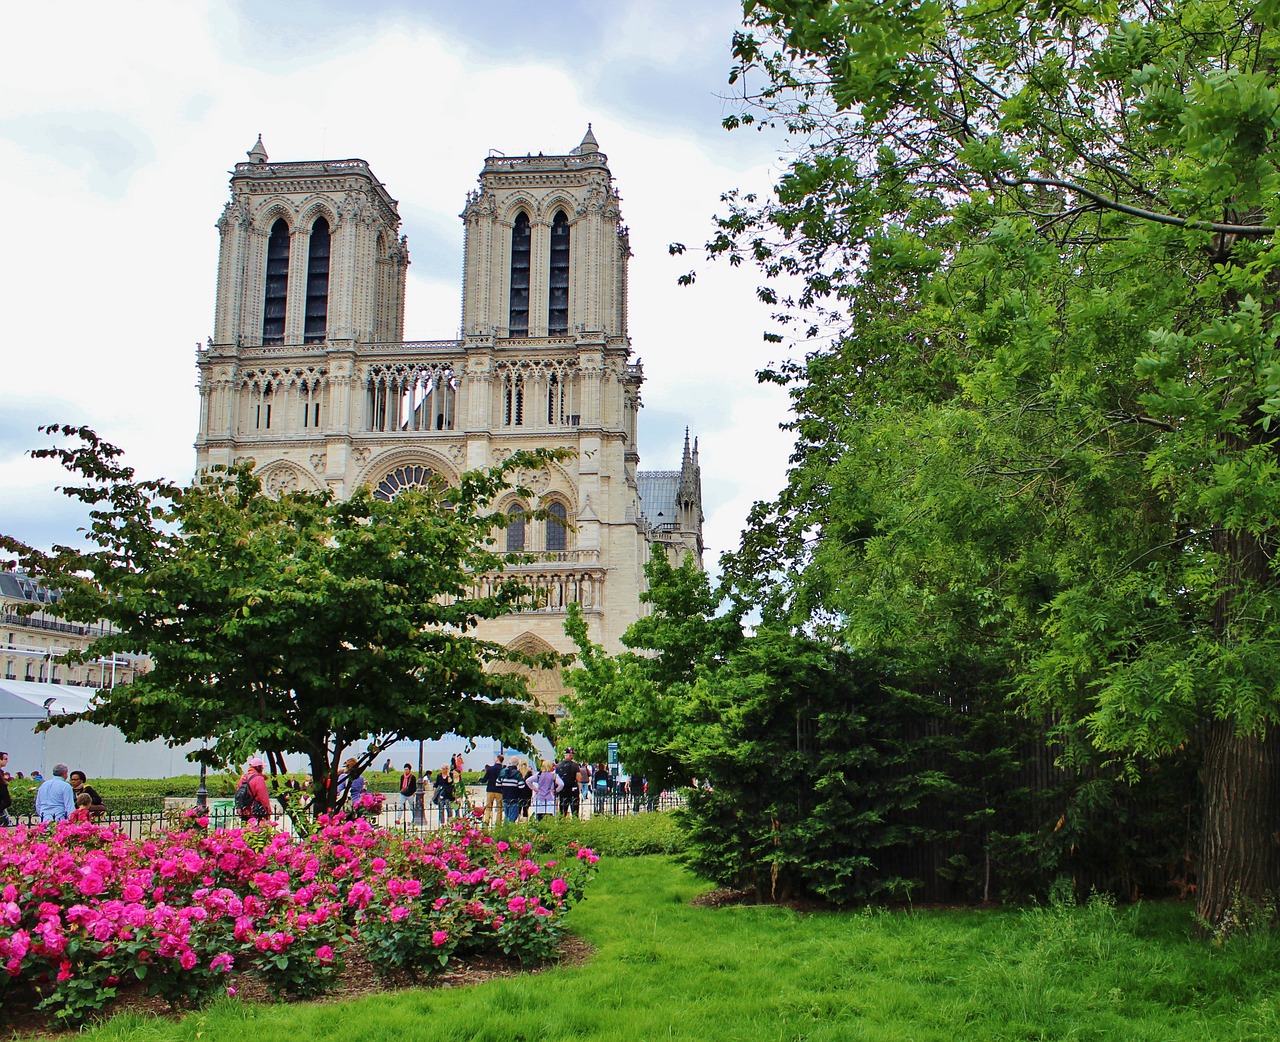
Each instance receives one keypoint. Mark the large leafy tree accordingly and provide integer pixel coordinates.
(298, 624)
(639, 698)
(1041, 241)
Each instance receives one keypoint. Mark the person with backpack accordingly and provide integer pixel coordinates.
(570, 772)
(511, 785)
(253, 802)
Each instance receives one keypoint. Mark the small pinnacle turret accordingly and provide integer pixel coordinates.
(590, 146)
(257, 154)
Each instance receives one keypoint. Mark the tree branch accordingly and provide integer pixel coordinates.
(1253, 231)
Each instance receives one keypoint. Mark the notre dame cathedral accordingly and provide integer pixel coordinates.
(309, 375)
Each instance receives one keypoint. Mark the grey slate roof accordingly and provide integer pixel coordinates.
(658, 489)
(19, 586)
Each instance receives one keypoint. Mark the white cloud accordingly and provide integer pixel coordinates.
(115, 147)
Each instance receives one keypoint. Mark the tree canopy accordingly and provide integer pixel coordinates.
(1033, 248)
(639, 698)
(293, 625)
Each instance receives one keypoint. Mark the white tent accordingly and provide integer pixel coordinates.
(101, 752)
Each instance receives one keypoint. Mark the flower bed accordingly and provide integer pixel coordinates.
(84, 910)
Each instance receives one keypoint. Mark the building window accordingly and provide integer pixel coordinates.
(556, 526)
(521, 248)
(262, 417)
(317, 283)
(513, 399)
(558, 295)
(309, 395)
(515, 529)
(557, 401)
(277, 284)
(404, 477)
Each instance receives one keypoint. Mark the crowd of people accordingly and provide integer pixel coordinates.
(514, 790)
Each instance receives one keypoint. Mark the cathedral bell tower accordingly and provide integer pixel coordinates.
(310, 264)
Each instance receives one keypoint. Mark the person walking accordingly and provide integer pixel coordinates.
(526, 794)
(601, 783)
(351, 781)
(55, 799)
(257, 804)
(493, 790)
(512, 786)
(442, 793)
(545, 786)
(570, 772)
(6, 800)
(408, 788)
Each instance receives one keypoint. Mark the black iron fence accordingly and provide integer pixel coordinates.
(144, 816)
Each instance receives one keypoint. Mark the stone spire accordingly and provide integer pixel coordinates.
(258, 154)
(590, 146)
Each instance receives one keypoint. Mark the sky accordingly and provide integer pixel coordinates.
(120, 123)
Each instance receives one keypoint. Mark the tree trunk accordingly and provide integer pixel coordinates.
(1238, 876)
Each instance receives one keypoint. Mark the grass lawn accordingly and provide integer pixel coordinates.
(666, 970)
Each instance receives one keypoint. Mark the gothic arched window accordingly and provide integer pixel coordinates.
(515, 529)
(558, 294)
(277, 283)
(513, 399)
(317, 319)
(521, 248)
(556, 526)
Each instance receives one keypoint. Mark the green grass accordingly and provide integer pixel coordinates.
(666, 970)
(626, 835)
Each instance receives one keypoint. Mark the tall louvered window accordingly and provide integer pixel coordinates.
(515, 529)
(558, 295)
(277, 284)
(317, 283)
(521, 247)
(556, 526)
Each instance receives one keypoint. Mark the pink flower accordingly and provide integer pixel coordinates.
(439, 937)
(188, 959)
(223, 962)
(559, 887)
(517, 905)
(325, 953)
(231, 993)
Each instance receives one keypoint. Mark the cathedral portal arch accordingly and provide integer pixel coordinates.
(546, 686)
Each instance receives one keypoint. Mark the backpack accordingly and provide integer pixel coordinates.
(244, 800)
(245, 805)
(569, 772)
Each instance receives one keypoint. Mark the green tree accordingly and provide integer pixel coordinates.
(297, 624)
(1041, 240)
(637, 698)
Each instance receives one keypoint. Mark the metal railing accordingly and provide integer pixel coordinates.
(426, 816)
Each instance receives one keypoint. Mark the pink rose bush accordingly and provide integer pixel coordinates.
(83, 908)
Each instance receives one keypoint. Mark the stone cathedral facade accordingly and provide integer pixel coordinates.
(308, 372)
